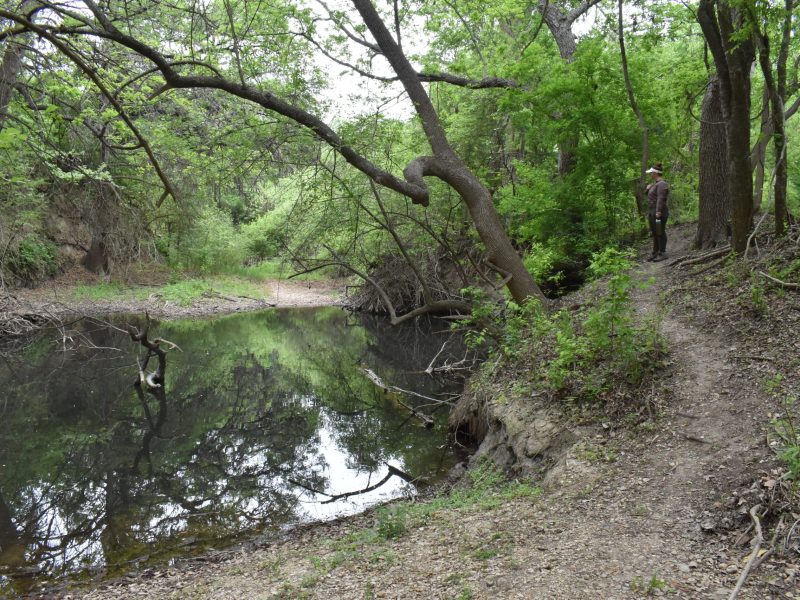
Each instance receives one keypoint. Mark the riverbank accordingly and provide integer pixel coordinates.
(78, 292)
(659, 507)
(628, 508)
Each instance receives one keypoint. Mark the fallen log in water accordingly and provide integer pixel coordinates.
(374, 378)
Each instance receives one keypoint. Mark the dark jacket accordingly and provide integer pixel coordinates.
(657, 195)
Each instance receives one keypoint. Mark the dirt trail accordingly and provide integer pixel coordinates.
(626, 515)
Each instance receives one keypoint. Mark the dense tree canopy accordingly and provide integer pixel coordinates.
(215, 134)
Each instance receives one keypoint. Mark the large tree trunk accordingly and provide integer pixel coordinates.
(448, 166)
(740, 182)
(779, 120)
(715, 207)
(492, 232)
(561, 29)
(559, 21)
(781, 177)
(9, 69)
(11, 63)
(722, 27)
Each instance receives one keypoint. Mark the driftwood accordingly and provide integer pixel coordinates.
(156, 378)
(17, 320)
(753, 233)
(215, 294)
(759, 539)
(374, 378)
(708, 267)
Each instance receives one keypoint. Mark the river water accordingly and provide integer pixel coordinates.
(264, 417)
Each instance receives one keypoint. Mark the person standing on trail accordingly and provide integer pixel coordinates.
(657, 194)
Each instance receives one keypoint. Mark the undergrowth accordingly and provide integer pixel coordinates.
(484, 487)
(183, 292)
(600, 352)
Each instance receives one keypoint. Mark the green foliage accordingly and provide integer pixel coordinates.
(267, 236)
(100, 291)
(648, 587)
(391, 521)
(501, 329)
(785, 440)
(578, 355)
(34, 258)
(485, 487)
(466, 594)
(211, 245)
(182, 292)
(543, 262)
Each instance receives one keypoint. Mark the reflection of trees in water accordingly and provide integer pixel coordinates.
(411, 346)
(207, 455)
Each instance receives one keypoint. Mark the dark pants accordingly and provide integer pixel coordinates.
(659, 232)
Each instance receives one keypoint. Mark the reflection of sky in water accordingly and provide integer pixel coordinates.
(329, 460)
(343, 478)
(255, 405)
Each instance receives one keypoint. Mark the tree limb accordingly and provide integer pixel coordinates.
(92, 75)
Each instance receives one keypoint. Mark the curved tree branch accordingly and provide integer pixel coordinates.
(92, 75)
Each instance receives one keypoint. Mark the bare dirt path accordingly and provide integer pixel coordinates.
(628, 513)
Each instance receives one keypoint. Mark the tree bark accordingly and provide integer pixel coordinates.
(449, 167)
(732, 58)
(11, 64)
(781, 172)
(758, 156)
(715, 208)
(9, 69)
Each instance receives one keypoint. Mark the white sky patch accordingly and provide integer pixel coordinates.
(350, 95)
(343, 478)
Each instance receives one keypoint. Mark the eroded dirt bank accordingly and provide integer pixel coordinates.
(624, 512)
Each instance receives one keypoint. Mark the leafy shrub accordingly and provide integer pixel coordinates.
(212, 244)
(391, 522)
(785, 440)
(578, 355)
(541, 262)
(34, 258)
(267, 235)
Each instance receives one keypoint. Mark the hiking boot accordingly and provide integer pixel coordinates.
(660, 257)
(652, 257)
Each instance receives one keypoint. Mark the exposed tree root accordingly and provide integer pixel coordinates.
(791, 286)
(690, 259)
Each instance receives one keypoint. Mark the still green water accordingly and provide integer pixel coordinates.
(260, 412)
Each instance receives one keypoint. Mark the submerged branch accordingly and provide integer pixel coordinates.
(427, 422)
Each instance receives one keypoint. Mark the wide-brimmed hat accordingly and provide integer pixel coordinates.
(656, 168)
